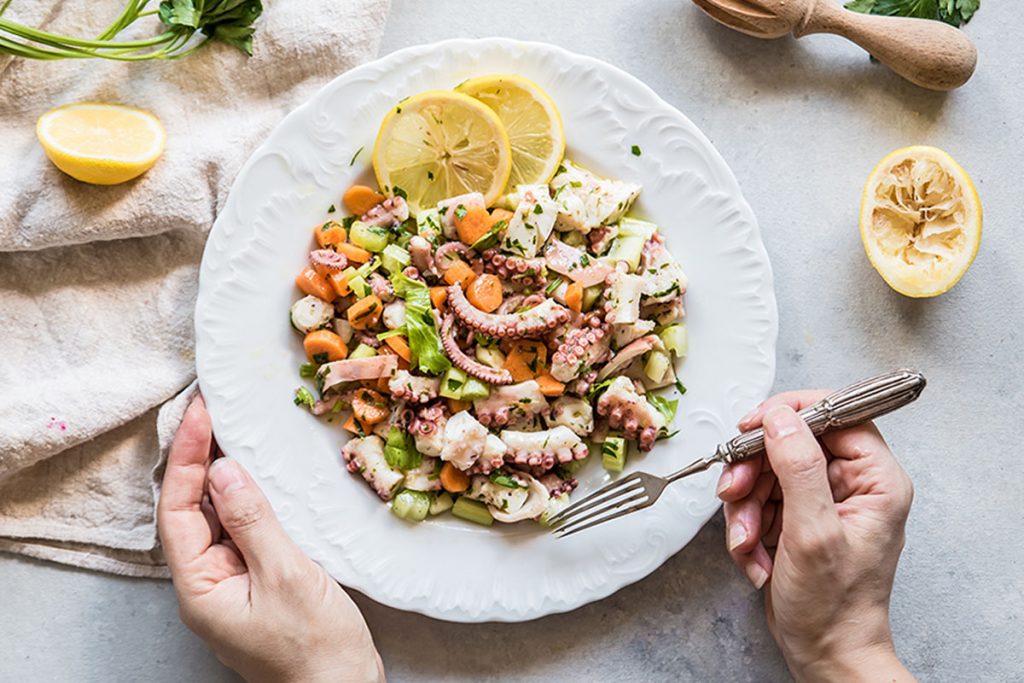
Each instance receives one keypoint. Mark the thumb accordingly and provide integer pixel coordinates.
(799, 463)
(246, 515)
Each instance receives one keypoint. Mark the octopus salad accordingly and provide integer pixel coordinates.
(480, 355)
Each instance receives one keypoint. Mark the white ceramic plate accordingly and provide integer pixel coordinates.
(248, 355)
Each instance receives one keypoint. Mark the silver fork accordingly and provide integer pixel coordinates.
(847, 407)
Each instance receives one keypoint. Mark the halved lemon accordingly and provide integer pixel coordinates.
(920, 221)
(532, 120)
(102, 144)
(440, 144)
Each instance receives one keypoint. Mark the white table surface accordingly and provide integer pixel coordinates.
(801, 124)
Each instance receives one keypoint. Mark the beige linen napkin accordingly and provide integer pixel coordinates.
(97, 284)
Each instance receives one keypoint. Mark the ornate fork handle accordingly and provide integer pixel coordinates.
(847, 407)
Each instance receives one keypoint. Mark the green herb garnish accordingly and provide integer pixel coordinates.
(953, 12)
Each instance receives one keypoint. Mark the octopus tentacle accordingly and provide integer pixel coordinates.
(412, 388)
(629, 353)
(582, 349)
(463, 362)
(532, 322)
(543, 449)
(515, 270)
(421, 254)
(328, 259)
(514, 401)
(447, 254)
(627, 410)
(389, 212)
(382, 287)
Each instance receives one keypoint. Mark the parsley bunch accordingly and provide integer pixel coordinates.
(229, 21)
(953, 12)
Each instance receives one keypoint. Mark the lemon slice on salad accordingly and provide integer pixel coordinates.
(440, 144)
(102, 144)
(532, 120)
(920, 221)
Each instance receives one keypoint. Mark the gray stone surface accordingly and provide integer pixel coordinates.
(801, 124)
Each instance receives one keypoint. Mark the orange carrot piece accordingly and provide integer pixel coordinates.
(453, 479)
(339, 281)
(330, 234)
(357, 427)
(353, 253)
(484, 292)
(324, 346)
(370, 407)
(359, 199)
(525, 359)
(438, 296)
(314, 284)
(459, 273)
(499, 215)
(473, 225)
(457, 406)
(549, 386)
(400, 345)
(365, 312)
(574, 296)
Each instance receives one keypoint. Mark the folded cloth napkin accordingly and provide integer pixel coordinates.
(98, 284)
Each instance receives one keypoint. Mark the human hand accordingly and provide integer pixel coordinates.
(264, 608)
(823, 530)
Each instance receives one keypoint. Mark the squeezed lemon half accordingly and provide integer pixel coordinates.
(102, 144)
(532, 121)
(920, 221)
(440, 144)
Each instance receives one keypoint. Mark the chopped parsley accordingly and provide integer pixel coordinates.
(332, 209)
(502, 479)
(635, 149)
(320, 358)
(538, 209)
(460, 211)
(430, 175)
(399, 192)
(304, 398)
(355, 156)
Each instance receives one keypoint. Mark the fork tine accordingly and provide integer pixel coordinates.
(615, 503)
(603, 494)
(620, 513)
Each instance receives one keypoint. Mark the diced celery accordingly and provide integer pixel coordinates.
(472, 511)
(554, 506)
(400, 450)
(452, 383)
(360, 287)
(627, 248)
(412, 506)
(474, 389)
(489, 239)
(368, 267)
(632, 227)
(613, 453)
(490, 356)
(394, 258)
(363, 351)
(676, 339)
(442, 503)
(403, 240)
(369, 237)
(307, 370)
(429, 220)
(657, 365)
(591, 295)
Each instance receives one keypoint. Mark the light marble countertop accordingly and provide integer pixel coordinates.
(801, 124)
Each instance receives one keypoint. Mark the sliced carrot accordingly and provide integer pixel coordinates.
(353, 253)
(459, 273)
(401, 346)
(457, 406)
(365, 312)
(484, 292)
(339, 281)
(357, 427)
(359, 199)
(323, 346)
(549, 386)
(314, 284)
(330, 234)
(500, 215)
(525, 359)
(438, 295)
(473, 225)
(453, 479)
(574, 296)
(370, 407)
(385, 350)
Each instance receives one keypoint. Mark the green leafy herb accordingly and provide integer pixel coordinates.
(538, 209)
(553, 286)
(635, 149)
(953, 12)
(304, 398)
(460, 211)
(505, 480)
(664, 406)
(597, 388)
(229, 21)
(355, 156)
(680, 387)
(391, 333)
(332, 209)
(347, 222)
(424, 340)
(399, 192)
(320, 358)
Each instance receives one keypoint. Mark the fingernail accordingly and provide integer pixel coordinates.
(781, 422)
(724, 483)
(748, 417)
(226, 475)
(737, 534)
(757, 575)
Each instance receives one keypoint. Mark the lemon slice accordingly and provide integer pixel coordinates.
(532, 120)
(440, 144)
(920, 221)
(102, 144)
